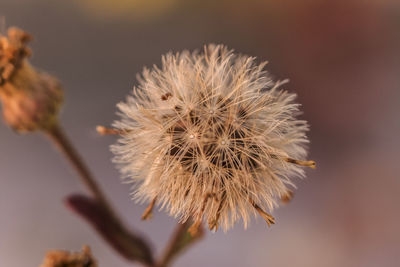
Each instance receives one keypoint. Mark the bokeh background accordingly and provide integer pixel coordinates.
(343, 61)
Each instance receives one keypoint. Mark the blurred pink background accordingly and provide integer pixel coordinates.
(343, 61)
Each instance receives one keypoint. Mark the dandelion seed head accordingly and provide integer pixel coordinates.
(210, 123)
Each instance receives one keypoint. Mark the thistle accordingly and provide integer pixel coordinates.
(210, 136)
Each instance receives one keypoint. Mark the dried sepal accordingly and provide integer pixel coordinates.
(287, 197)
(148, 213)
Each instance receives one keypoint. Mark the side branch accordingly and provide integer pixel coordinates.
(179, 242)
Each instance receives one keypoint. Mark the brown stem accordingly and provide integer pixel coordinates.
(57, 135)
(129, 245)
(139, 250)
(180, 241)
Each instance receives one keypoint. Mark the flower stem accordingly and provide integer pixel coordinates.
(180, 241)
(59, 138)
(129, 245)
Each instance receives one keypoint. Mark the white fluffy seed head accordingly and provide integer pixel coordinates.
(210, 123)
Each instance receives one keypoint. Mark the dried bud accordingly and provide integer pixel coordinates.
(58, 258)
(31, 99)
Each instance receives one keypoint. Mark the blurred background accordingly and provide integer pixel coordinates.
(343, 61)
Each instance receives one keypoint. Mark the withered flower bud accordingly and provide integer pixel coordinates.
(58, 258)
(31, 99)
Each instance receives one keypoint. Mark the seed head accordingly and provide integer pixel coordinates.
(211, 136)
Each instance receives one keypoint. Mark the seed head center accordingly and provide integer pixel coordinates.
(224, 142)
